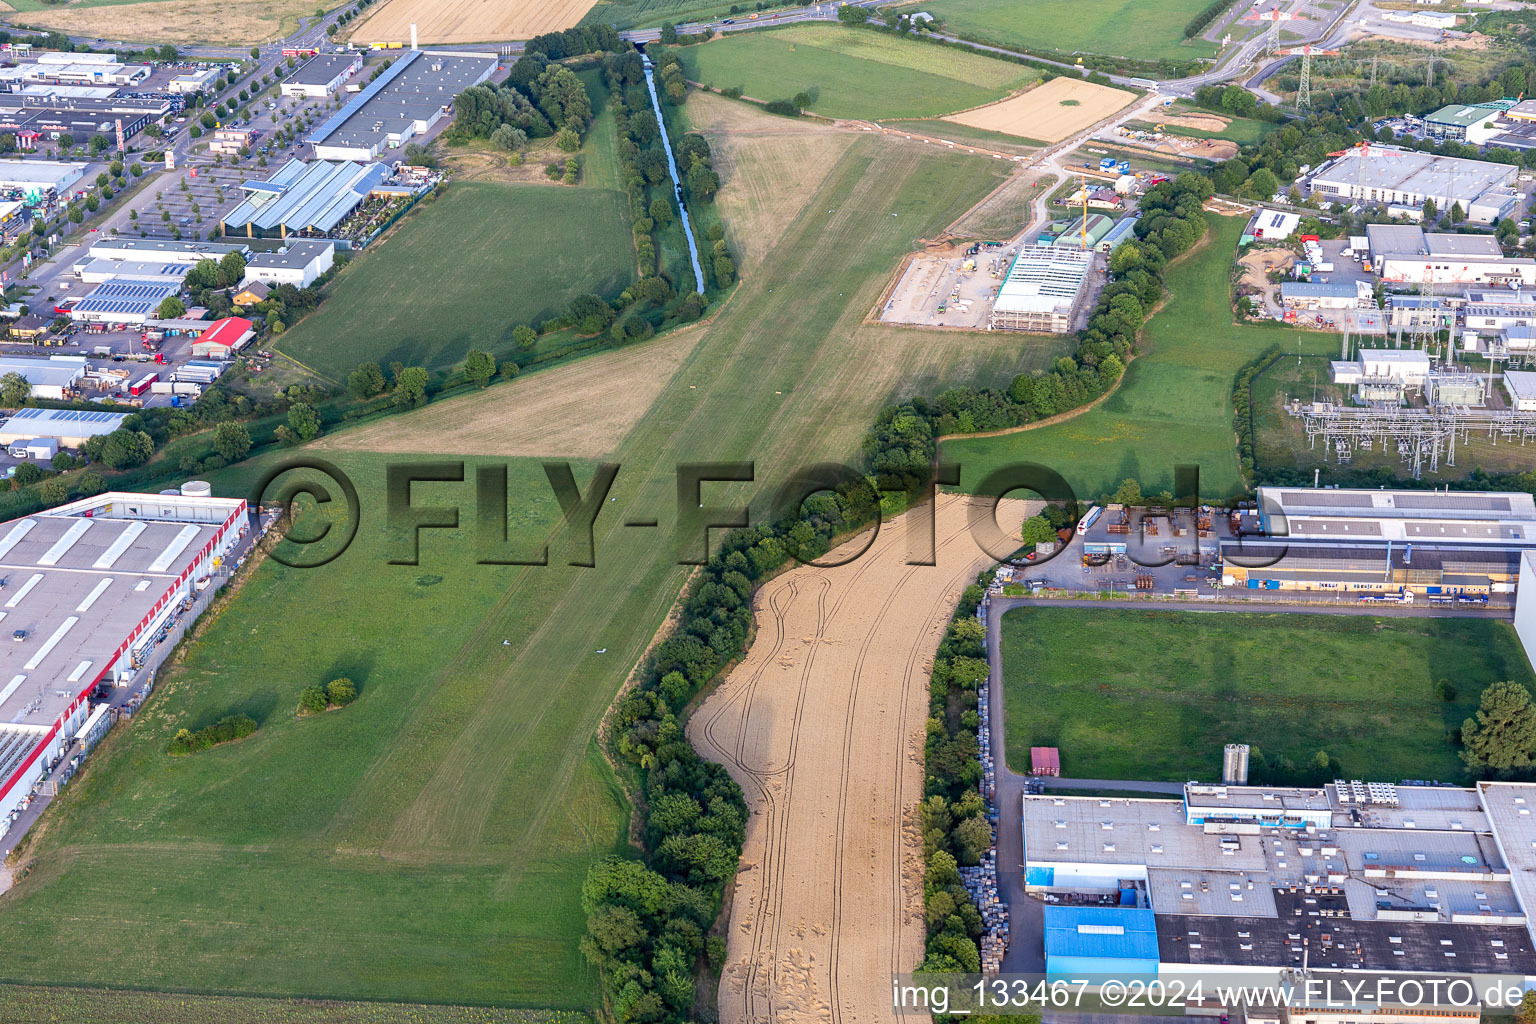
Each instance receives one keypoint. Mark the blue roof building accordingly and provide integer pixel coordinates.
(1116, 941)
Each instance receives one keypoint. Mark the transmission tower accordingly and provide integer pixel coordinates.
(1304, 86)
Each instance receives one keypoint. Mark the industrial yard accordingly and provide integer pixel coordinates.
(1256, 696)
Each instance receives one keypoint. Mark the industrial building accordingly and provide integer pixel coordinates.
(81, 117)
(224, 338)
(1423, 19)
(90, 585)
(1123, 231)
(1350, 876)
(1400, 367)
(160, 250)
(1095, 226)
(1313, 295)
(53, 378)
(408, 99)
(98, 271)
(1520, 385)
(124, 300)
(194, 81)
(303, 198)
(1272, 225)
(1435, 544)
(1405, 254)
(1472, 123)
(298, 263)
(40, 175)
(321, 75)
(1042, 292)
(67, 428)
(1390, 174)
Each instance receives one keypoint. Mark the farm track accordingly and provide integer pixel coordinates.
(829, 900)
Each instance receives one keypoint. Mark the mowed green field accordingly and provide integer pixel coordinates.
(462, 272)
(853, 73)
(1155, 695)
(429, 842)
(1174, 406)
(381, 851)
(1143, 29)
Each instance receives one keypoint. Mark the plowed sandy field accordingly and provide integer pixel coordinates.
(822, 725)
(1049, 113)
(469, 21)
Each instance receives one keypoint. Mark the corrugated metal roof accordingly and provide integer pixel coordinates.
(1118, 933)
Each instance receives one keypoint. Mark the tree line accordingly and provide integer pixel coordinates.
(954, 821)
(646, 921)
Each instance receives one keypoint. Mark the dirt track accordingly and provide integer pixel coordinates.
(822, 725)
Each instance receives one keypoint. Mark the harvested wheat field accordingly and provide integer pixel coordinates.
(240, 22)
(580, 410)
(771, 166)
(469, 21)
(1049, 113)
(822, 724)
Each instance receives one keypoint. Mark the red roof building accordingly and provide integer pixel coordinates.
(224, 337)
(1044, 761)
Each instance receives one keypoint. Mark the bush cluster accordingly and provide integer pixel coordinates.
(337, 693)
(225, 730)
(537, 100)
(954, 822)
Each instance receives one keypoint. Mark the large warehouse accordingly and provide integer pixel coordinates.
(68, 428)
(1348, 876)
(1436, 544)
(408, 99)
(1042, 292)
(54, 378)
(303, 198)
(124, 300)
(41, 175)
(321, 75)
(159, 250)
(298, 263)
(1390, 174)
(89, 585)
(1406, 254)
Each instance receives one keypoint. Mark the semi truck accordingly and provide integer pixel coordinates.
(143, 384)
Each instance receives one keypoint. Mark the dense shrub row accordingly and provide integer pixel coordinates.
(573, 42)
(954, 821)
(1212, 11)
(226, 729)
(1242, 406)
(647, 922)
(904, 440)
